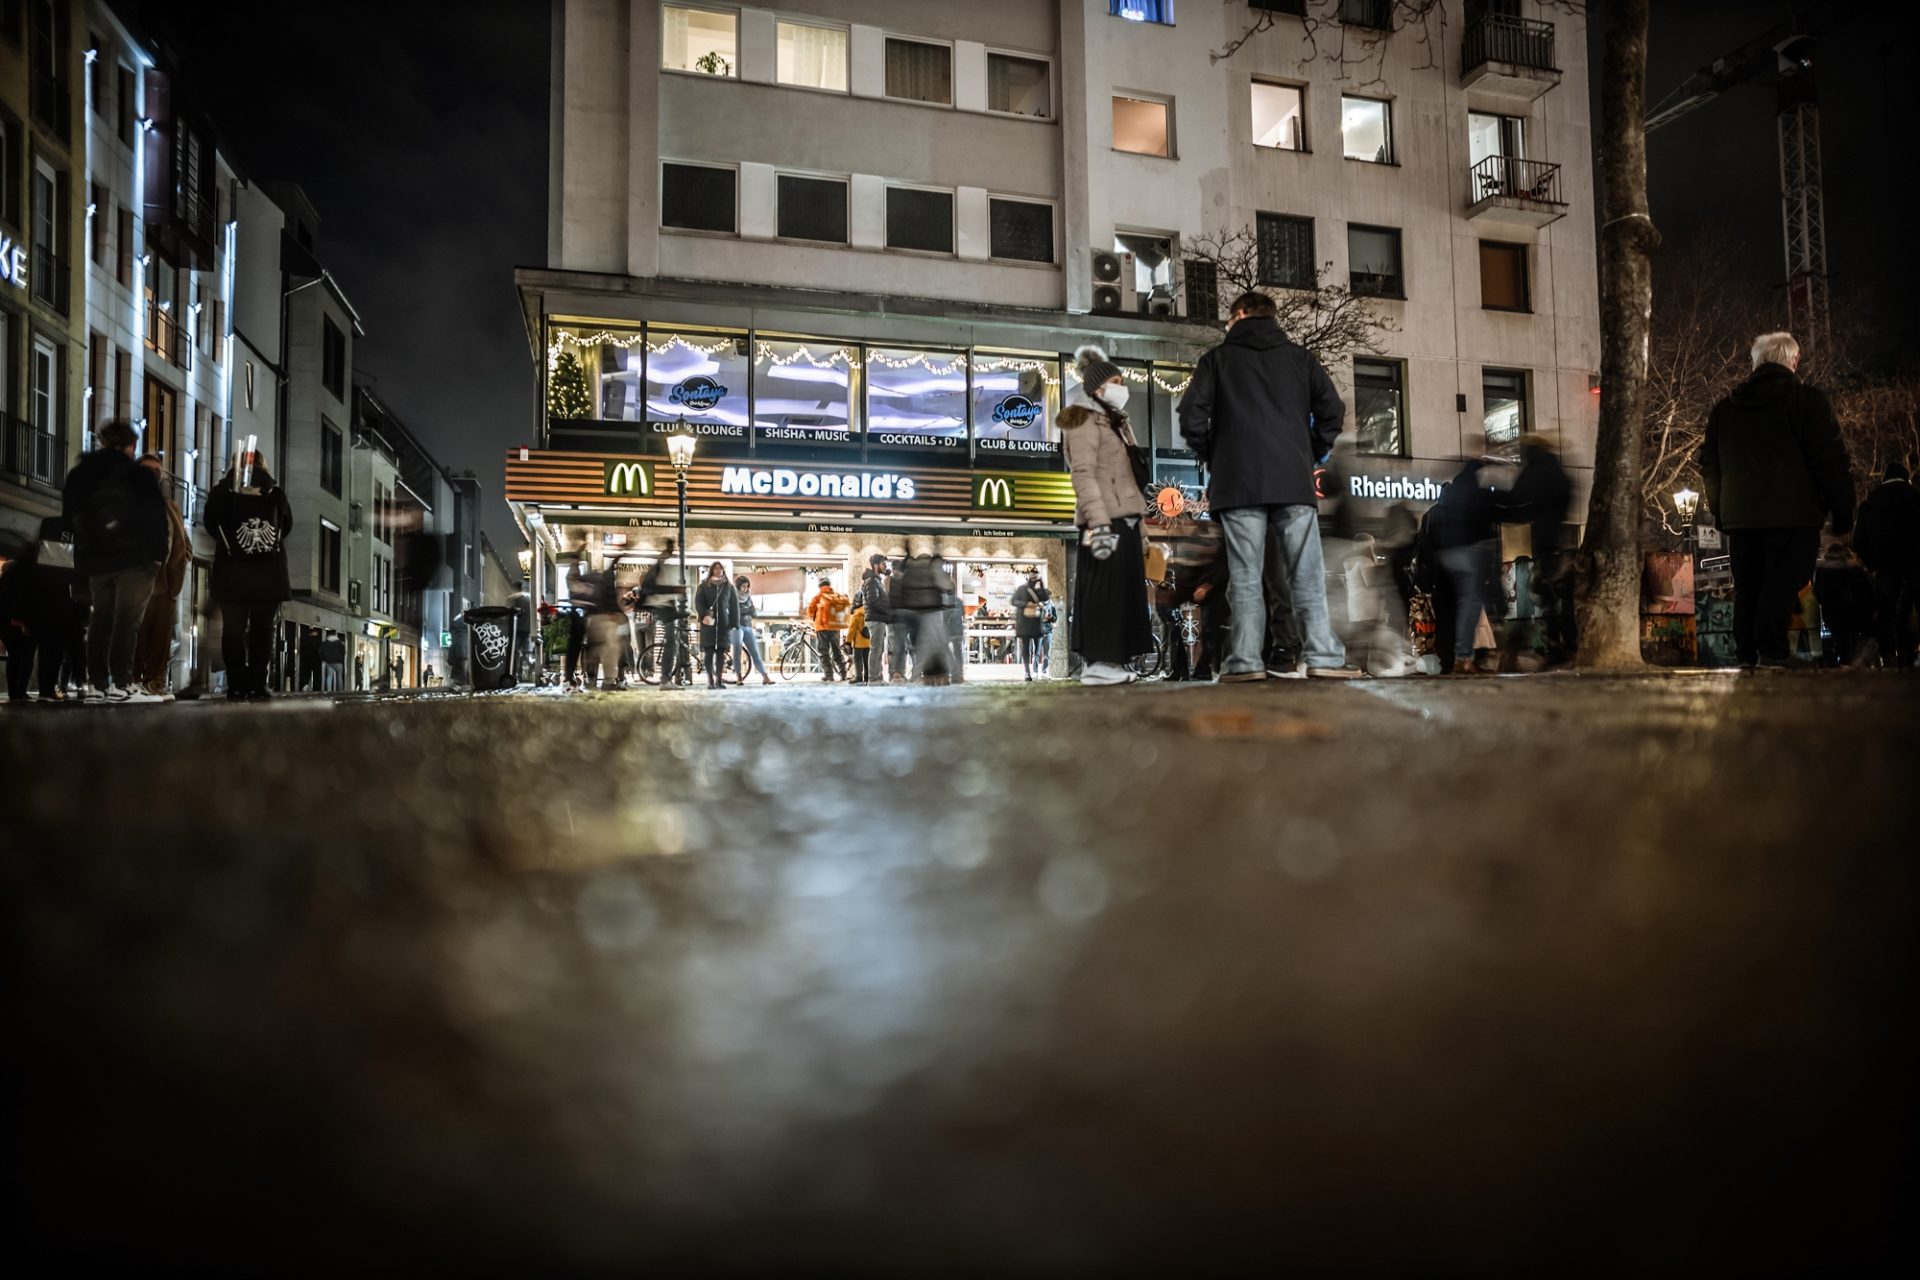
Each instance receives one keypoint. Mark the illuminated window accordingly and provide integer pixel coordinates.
(1279, 116)
(1015, 400)
(1373, 262)
(802, 391)
(1503, 408)
(1160, 11)
(1379, 407)
(916, 398)
(1366, 129)
(812, 57)
(700, 41)
(701, 377)
(1142, 126)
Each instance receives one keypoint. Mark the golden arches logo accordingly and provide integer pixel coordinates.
(993, 491)
(629, 480)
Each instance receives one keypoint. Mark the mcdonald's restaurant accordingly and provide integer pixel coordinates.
(821, 437)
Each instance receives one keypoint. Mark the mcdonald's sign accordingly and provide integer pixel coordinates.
(994, 493)
(629, 480)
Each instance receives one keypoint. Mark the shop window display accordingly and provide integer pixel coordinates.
(699, 378)
(1016, 399)
(916, 399)
(803, 391)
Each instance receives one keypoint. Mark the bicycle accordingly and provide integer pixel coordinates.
(800, 654)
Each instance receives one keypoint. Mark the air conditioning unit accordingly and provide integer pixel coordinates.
(1160, 301)
(1113, 292)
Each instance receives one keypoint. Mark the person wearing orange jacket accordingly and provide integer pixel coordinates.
(827, 611)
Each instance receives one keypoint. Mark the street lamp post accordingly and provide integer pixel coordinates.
(680, 454)
(1686, 504)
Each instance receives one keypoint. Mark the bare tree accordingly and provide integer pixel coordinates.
(1880, 421)
(1329, 319)
(1609, 602)
(1326, 35)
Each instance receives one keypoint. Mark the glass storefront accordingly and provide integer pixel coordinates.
(916, 399)
(803, 391)
(1016, 399)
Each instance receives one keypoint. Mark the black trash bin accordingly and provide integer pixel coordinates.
(493, 637)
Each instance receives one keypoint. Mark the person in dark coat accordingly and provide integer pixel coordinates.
(1886, 537)
(1262, 413)
(717, 604)
(120, 530)
(1460, 529)
(1029, 602)
(1845, 593)
(249, 517)
(1775, 469)
(1542, 499)
(37, 610)
(877, 600)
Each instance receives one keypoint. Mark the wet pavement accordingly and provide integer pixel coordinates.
(1401, 976)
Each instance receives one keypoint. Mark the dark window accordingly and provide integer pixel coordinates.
(813, 209)
(97, 358)
(1160, 11)
(1021, 229)
(1298, 8)
(333, 358)
(123, 231)
(10, 166)
(1203, 290)
(1286, 251)
(696, 197)
(1377, 14)
(330, 457)
(123, 83)
(1373, 262)
(1379, 407)
(330, 557)
(1503, 276)
(919, 219)
(919, 72)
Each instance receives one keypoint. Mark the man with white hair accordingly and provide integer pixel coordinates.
(1775, 469)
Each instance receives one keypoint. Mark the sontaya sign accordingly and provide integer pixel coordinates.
(780, 482)
(629, 480)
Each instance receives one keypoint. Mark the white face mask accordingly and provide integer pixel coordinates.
(1115, 395)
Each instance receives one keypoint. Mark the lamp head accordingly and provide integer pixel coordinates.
(680, 451)
(1686, 502)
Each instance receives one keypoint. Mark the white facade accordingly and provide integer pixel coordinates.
(625, 103)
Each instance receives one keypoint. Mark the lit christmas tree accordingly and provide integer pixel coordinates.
(567, 395)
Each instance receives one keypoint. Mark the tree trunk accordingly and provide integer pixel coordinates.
(1609, 603)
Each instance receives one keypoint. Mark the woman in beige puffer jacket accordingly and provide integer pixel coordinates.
(1111, 621)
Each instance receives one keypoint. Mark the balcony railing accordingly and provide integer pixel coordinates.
(1495, 37)
(51, 280)
(28, 453)
(52, 105)
(168, 336)
(1511, 178)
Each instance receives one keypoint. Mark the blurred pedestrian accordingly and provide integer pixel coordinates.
(954, 623)
(1460, 526)
(1845, 592)
(1111, 619)
(1775, 469)
(663, 592)
(923, 589)
(1886, 537)
(1262, 413)
(1029, 626)
(899, 630)
(886, 659)
(249, 517)
(1542, 499)
(119, 521)
(746, 644)
(717, 604)
(37, 612)
(827, 611)
(153, 655)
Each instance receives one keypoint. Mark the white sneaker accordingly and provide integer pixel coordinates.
(114, 693)
(89, 693)
(1288, 673)
(1105, 673)
(141, 696)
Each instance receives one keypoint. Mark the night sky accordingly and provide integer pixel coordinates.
(420, 133)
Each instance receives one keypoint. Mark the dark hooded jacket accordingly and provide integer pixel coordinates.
(1886, 536)
(1541, 498)
(117, 513)
(1773, 457)
(1463, 517)
(249, 539)
(1260, 412)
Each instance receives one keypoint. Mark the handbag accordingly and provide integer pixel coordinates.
(55, 554)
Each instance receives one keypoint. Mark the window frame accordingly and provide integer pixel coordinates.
(333, 375)
(846, 189)
(820, 24)
(329, 575)
(1399, 261)
(1393, 142)
(1053, 207)
(1525, 274)
(1524, 399)
(887, 37)
(1306, 140)
(733, 68)
(1399, 367)
(953, 219)
(333, 447)
(734, 169)
(1053, 84)
(1165, 102)
(1313, 249)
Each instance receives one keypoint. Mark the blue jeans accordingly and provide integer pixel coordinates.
(1298, 530)
(1467, 568)
(747, 640)
(899, 645)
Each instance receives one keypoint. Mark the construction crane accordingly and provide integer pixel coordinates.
(1784, 54)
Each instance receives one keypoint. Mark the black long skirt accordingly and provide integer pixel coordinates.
(1110, 619)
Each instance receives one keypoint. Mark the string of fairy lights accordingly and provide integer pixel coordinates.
(768, 353)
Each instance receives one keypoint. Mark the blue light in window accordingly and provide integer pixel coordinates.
(1160, 11)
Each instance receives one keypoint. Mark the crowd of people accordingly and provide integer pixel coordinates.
(91, 607)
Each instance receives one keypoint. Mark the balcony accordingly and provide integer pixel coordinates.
(28, 453)
(169, 337)
(1521, 193)
(1508, 57)
(52, 281)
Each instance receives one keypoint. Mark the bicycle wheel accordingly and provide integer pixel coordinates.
(653, 659)
(1158, 661)
(792, 658)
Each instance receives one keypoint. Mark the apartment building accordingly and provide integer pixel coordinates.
(850, 243)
